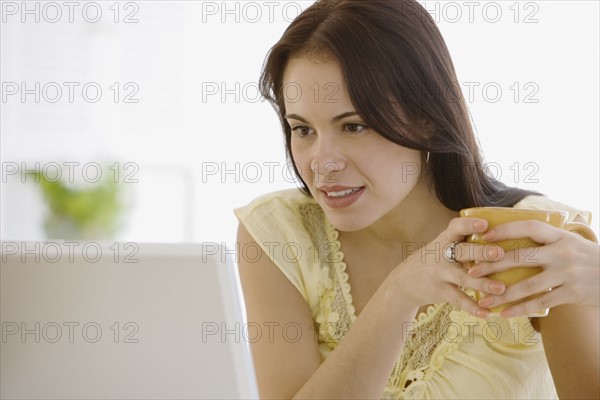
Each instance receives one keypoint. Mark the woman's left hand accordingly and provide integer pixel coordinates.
(570, 263)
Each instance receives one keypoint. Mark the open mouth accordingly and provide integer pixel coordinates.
(343, 193)
(341, 197)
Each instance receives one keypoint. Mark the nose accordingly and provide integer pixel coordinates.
(328, 157)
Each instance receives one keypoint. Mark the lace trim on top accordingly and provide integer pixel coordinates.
(335, 312)
(430, 339)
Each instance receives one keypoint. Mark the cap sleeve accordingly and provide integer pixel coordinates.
(275, 223)
(544, 203)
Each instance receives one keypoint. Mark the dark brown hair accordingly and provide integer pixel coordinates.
(393, 57)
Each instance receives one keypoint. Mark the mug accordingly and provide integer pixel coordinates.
(501, 215)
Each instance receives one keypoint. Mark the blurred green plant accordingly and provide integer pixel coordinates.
(88, 212)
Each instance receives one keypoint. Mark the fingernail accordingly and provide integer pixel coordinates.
(493, 252)
(479, 225)
(474, 271)
(483, 313)
(497, 287)
(489, 235)
(485, 302)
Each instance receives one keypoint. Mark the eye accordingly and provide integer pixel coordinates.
(355, 127)
(302, 131)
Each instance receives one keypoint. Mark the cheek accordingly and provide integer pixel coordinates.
(302, 162)
(403, 168)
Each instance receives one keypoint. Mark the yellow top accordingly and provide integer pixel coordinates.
(448, 354)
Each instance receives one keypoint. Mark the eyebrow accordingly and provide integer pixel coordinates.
(334, 119)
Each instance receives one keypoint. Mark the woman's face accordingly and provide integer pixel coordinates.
(356, 175)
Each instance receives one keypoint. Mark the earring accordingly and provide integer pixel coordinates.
(427, 159)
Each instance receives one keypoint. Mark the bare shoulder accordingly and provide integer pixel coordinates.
(281, 330)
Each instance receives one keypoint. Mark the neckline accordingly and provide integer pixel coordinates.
(340, 266)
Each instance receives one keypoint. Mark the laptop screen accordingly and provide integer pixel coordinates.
(122, 320)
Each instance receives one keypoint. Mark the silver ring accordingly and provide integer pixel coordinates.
(450, 252)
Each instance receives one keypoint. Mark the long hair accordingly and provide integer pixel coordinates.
(401, 80)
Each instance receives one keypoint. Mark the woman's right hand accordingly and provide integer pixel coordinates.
(429, 277)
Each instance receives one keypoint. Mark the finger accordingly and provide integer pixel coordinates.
(460, 227)
(457, 230)
(531, 286)
(460, 278)
(537, 231)
(461, 300)
(551, 299)
(468, 252)
(527, 256)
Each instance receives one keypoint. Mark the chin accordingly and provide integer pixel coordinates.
(347, 223)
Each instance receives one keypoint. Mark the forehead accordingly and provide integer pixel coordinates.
(304, 70)
(307, 81)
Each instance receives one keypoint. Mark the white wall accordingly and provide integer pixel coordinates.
(179, 132)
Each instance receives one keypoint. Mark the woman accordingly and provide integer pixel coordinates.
(352, 279)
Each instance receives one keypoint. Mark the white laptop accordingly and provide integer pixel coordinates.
(86, 320)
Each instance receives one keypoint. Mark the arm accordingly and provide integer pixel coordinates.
(281, 366)
(360, 365)
(285, 369)
(571, 341)
(570, 332)
(571, 338)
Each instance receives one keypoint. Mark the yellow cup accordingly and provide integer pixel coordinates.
(523, 246)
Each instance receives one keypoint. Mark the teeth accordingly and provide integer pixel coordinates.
(342, 193)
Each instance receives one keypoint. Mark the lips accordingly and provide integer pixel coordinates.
(340, 196)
